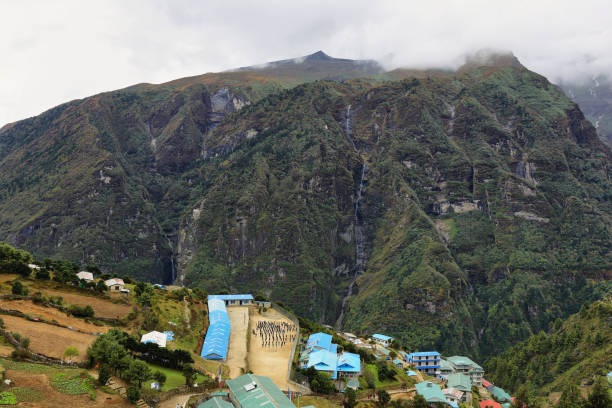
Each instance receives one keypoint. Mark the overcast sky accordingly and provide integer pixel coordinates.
(55, 51)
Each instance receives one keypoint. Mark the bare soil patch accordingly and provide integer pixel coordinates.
(102, 308)
(53, 398)
(49, 313)
(271, 362)
(49, 340)
(237, 351)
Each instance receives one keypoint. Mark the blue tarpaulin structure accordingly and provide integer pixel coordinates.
(217, 337)
(169, 335)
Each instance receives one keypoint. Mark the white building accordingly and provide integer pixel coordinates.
(156, 337)
(86, 276)
(115, 284)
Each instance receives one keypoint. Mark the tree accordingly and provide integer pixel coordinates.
(599, 396)
(101, 286)
(370, 377)
(104, 374)
(18, 289)
(189, 374)
(138, 372)
(350, 398)
(571, 398)
(418, 402)
(524, 398)
(383, 397)
(133, 394)
(160, 378)
(42, 274)
(71, 352)
(25, 342)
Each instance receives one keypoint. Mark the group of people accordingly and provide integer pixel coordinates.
(274, 334)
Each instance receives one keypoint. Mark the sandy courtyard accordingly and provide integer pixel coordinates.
(271, 362)
(237, 351)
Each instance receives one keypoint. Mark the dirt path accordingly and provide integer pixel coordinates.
(181, 400)
(237, 351)
(271, 362)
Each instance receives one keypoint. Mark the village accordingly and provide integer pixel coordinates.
(278, 351)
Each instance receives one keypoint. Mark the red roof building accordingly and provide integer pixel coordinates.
(489, 404)
(486, 384)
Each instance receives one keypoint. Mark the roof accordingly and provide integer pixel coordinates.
(215, 402)
(322, 360)
(462, 382)
(349, 363)
(464, 361)
(354, 384)
(154, 337)
(257, 391)
(320, 340)
(114, 281)
(446, 366)
(486, 383)
(397, 361)
(383, 351)
(453, 404)
(231, 297)
(169, 335)
(85, 275)
(430, 391)
(349, 335)
(489, 404)
(382, 337)
(217, 336)
(411, 373)
(425, 354)
(455, 393)
(500, 394)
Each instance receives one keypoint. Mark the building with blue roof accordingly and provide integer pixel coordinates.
(431, 392)
(217, 336)
(382, 339)
(348, 365)
(323, 360)
(319, 341)
(234, 300)
(427, 362)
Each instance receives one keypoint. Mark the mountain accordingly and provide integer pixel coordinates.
(595, 100)
(575, 351)
(463, 211)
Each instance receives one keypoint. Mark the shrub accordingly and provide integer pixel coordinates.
(104, 374)
(43, 274)
(78, 311)
(133, 394)
(18, 289)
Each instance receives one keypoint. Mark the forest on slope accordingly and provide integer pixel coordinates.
(460, 211)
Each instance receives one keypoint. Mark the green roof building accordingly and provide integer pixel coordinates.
(256, 391)
(465, 365)
(461, 382)
(431, 392)
(215, 402)
(446, 368)
(500, 395)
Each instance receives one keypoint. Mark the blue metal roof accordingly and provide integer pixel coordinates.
(323, 360)
(333, 348)
(349, 363)
(382, 337)
(217, 337)
(320, 340)
(425, 354)
(231, 297)
(411, 373)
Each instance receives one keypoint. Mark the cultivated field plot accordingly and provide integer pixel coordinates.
(102, 308)
(271, 362)
(49, 313)
(237, 351)
(35, 390)
(47, 339)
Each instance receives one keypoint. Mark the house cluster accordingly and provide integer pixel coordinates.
(320, 353)
(458, 374)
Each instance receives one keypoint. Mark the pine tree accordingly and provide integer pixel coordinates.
(571, 398)
(599, 396)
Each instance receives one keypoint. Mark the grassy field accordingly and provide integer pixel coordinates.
(318, 402)
(174, 378)
(400, 378)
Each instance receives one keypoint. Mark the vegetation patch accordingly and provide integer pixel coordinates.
(24, 394)
(72, 384)
(7, 398)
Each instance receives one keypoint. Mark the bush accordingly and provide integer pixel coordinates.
(43, 274)
(18, 289)
(370, 377)
(133, 394)
(78, 311)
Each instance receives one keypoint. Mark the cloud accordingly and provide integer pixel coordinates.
(57, 51)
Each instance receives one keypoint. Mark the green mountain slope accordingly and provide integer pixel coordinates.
(575, 351)
(461, 211)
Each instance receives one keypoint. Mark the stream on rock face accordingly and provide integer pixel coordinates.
(359, 237)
